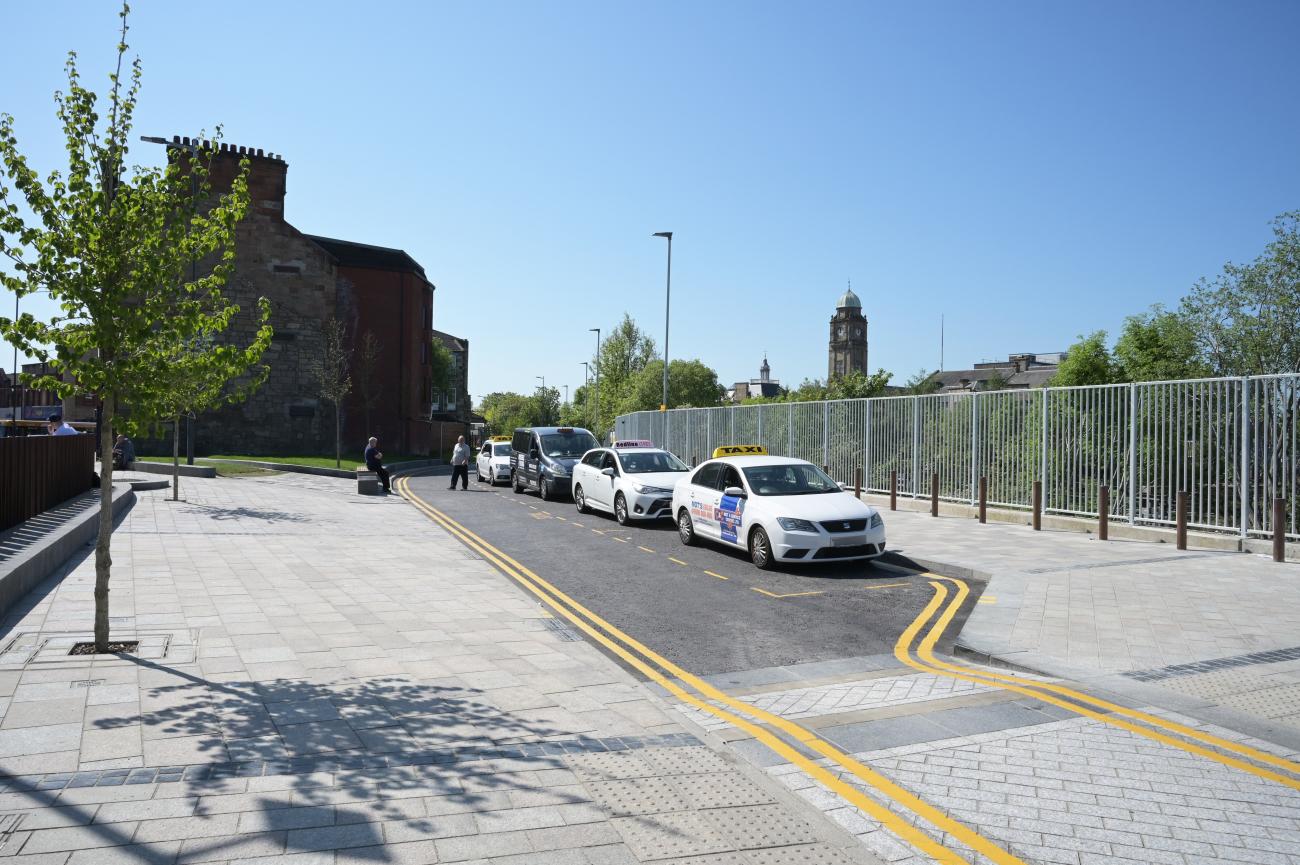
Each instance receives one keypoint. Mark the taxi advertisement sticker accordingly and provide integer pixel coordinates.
(729, 516)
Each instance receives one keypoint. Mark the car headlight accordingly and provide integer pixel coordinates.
(792, 524)
(876, 520)
(647, 490)
(558, 470)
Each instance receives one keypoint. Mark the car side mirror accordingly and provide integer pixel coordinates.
(735, 493)
(609, 473)
(532, 454)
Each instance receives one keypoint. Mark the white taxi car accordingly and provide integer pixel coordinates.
(633, 480)
(494, 460)
(779, 509)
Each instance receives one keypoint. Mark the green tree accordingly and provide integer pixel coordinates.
(505, 411)
(690, 384)
(923, 382)
(1088, 361)
(1246, 321)
(1158, 345)
(114, 252)
(441, 364)
(858, 385)
(624, 352)
(994, 382)
(333, 376)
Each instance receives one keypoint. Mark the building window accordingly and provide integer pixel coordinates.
(451, 399)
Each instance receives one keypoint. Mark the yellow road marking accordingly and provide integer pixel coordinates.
(540, 516)
(885, 586)
(580, 525)
(647, 549)
(598, 531)
(679, 561)
(791, 595)
(897, 824)
(621, 540)
(564, 519)
(719, 576)
(1042, 691)
(987, 599)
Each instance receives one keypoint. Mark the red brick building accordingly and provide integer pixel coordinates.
(309, 279)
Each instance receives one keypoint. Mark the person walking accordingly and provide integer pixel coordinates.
(460, 464)
(374, 462)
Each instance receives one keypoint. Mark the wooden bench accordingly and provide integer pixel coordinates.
(367, 482)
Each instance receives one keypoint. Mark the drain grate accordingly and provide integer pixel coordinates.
(85, 683)
(561, 630)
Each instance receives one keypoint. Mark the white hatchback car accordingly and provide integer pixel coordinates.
(493, 462)
(633, 480)
(777, 508)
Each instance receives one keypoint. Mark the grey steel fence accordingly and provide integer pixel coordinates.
(1230, 443)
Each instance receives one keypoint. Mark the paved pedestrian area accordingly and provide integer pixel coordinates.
(327, 678)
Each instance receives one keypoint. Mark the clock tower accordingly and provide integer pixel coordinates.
(848, 342)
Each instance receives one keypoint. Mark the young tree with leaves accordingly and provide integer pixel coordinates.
(333, 376)
(367, 366)
(113, 252)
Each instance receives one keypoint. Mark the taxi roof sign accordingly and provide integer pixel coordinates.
(499, 438)
(740, 451)
(634, 443)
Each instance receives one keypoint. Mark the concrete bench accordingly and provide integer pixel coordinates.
(367, 482)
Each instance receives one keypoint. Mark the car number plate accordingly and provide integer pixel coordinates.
(849, 541)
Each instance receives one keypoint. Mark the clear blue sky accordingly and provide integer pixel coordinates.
(1032, 170)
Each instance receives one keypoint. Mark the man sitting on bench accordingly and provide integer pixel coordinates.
(374, 462)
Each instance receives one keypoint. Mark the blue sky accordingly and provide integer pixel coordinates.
(1029, 170)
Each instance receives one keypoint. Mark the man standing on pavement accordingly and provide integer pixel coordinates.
(58, 427)
(460, 464)
(374, 462)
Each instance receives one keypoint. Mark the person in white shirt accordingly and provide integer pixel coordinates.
(460, 464)
(57, 427)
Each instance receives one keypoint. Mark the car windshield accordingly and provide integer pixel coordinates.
(568, 444)
(791, 479)
(651, 461)
(501, 450)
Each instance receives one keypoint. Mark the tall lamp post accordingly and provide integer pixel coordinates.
(541, 393)
(668, 293)
(596, 331)
(586, 380)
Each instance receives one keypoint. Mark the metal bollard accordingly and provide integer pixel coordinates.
(1038, 506)
(1180, 525)
(984, 499)
(857, 483)
(1279, 530)
(893, 490)
(934, 495)
(1103, 514)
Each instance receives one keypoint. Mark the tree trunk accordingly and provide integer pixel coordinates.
(176, 459)
(103, 559)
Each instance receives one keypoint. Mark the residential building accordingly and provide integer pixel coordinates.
(1018, 372)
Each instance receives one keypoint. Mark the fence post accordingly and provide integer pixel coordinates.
(934, 495)
(708, 432)
(759, 409)
(1180, 521)
(893, 489)
(826, 435)
(1244, 473)
(866, 447)
(1132, 454)
(984, 499)
(731, 413)
(916, 445)
(789, 437)
(1042, 471)
(1279, 530)
(1103, 514)
(857, 483)
(1038, 506)
(974, 444)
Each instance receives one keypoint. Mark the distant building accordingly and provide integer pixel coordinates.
(451, 412)
(848, 337)
(309, 279)
(764, 385)
(1017, 372)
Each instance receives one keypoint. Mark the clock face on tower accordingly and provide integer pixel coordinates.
(857, 331)
(839, 331)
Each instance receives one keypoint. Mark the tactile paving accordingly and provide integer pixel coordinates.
(720, 790)
(1281, 702)
(665, 836)
(1214, 686)
(684, 761)
(634, 796)
(609, 766)
(758, 826)
(808, 854)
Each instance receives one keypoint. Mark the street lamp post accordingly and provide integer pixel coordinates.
(542, 398)
(586, 382)
(668, 292)
(596, 330)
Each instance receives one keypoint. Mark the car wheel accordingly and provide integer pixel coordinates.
(515, 482)
(580, 500)
(760, 549)
(478, 471)
(620, 509)
(686, 528)
(544, 488)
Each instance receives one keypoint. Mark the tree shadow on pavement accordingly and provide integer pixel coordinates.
(217, 513)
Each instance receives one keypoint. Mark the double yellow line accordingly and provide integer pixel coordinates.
(1158, 729)
(742, 715)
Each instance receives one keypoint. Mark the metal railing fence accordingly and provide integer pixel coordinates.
(1230, 443)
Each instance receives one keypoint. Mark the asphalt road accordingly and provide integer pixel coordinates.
(643, 580)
